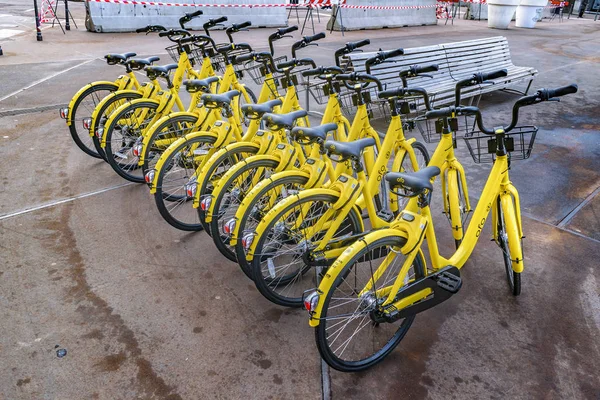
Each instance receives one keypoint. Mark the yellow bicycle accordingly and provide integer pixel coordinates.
(368, 299)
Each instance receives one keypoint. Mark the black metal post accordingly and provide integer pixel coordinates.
(37, 22)
(67, 26)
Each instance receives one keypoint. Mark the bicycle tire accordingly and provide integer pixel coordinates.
(513, 278)
(217, 167)
(267, 285)
(102, 116)
(255, 213)
(345, 277)
(168, 202)
(152, 152)
(228, 199)
(87, 145)
(123, 169)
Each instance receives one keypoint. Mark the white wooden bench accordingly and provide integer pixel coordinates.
(456, 61)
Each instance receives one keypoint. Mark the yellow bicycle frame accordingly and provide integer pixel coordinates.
(497, 187)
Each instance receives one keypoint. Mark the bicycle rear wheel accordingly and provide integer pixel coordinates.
(83, 108)
(278, 266)
(258, 206)
(126, 129)
(351, 336)
(163, 134)
(179, 169)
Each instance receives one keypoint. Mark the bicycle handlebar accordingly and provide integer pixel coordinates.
(349, 48)
(381, 57)
(212, 22)
(236, 28)
(280, 33)
(321, 71)
(293, 63)
(359, 77)
(173, 33)
(188, 17)
(306, 40)
(540, 96)
(402, 92)
(151, 28)
(477, 79)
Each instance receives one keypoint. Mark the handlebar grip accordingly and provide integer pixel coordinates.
(391, 54)
(286, 64)
(486, 76)
(243, 58)
(314, 72)
(310, 39)
(283, 31)
(351, 46)
(195, 14)
(398, 92)
(442, 112)
(243, 46)
(243, 25)
(163, 34)
(427, 68)
(219, 20)
(140, 30)
(562, 91)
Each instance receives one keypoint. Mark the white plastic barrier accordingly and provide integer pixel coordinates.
(119, 17)
(416, 13)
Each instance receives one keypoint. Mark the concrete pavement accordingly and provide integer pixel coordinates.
(145, 311)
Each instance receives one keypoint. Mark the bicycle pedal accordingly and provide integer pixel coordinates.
(385, 215)
(448, 280)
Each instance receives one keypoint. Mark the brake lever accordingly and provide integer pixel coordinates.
(488, 82)
(554, 99)
(425, 75)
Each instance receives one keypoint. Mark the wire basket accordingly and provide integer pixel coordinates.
(519, 143)
(257, 71)
(431, 130)
(194, 54)
(377, 109)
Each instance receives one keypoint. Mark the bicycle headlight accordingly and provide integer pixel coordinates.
(229, 226)
(87, 123)
(137, 149)
(149, 177)
(64, 112)
(311, 301)
(205, 203)
(247, 240)
(190, 189)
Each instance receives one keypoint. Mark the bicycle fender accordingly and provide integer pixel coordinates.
(339, 264)
(232, 171)
(256, 190)
(80, 93)
(202, 174)
(163, 157)
(117, 111)
(107, 99)
(262, 225)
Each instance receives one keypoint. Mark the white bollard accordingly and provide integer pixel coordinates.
(529, 12)
(501, 12)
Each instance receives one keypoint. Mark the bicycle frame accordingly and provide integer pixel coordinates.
(498, 186)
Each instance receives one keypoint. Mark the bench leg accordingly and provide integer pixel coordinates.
(528, 86)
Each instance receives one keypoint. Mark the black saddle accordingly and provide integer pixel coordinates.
(348, 149)
(154, 71)
(281, 121)
(219, 100)
(139, 63)
(113, 59)
(200, 85)
(413, 181)
(256, 111)
(311, 135)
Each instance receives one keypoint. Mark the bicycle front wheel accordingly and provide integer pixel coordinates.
(351, 336)
(82, 109)
(179, 169)
(278, 266)
(125, 129)
(513, 278)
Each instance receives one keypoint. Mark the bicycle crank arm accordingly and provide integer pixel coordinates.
(442, 285)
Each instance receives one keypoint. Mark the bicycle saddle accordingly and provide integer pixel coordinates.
(317, 133)
(280, 121)
(256, 111)
(200, 85)
(140, 63)
(155, 71)
(348, 149)
(219, 100)
(413, 181)
(112, 59)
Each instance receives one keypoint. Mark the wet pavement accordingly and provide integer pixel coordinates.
(146, 311)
